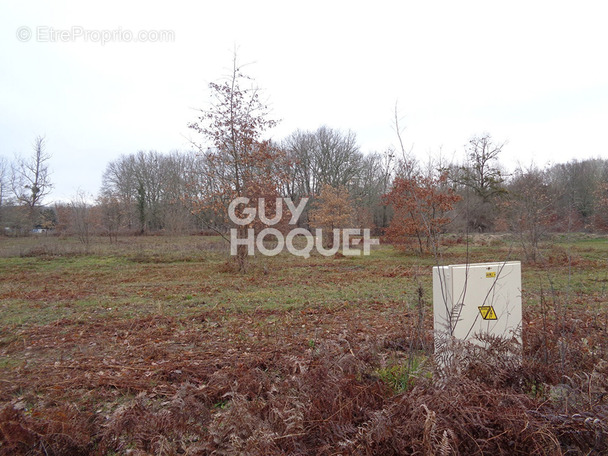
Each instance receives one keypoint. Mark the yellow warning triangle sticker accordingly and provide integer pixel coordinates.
(487, 312)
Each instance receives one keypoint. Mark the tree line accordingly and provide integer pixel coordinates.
(391, 193)
(151, 192)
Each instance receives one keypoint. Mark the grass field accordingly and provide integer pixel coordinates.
(156, 345)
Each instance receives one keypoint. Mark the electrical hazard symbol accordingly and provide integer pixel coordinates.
(487, 312)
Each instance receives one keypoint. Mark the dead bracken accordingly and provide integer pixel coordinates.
(345, 377)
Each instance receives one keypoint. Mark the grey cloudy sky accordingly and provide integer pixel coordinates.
(533, 73)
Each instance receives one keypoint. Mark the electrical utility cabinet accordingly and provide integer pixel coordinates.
(473, 299)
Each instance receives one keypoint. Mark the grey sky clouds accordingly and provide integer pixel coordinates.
(532, 73)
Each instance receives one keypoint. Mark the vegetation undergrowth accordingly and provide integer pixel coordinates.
(101, 354)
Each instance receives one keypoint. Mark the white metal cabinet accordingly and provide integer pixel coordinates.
(470, 299)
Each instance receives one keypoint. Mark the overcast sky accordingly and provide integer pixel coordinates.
(533, 73)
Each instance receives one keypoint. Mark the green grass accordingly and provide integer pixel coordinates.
(400, 376)
(179, 276)
(41, 289)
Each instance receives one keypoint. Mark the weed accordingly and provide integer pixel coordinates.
(397, 376)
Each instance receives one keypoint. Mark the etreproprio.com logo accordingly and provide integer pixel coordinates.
(287, 241)
(77, 33)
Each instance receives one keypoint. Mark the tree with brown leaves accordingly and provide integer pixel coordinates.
(420, 205)
(334, 209)
(601, 207)
(239, 162)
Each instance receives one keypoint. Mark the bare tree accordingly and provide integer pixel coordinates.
(482, 180)
(176, 209)
(373, 181)
(4, 181)
(576, 184)
(530, 208)
(31, 180)
(81, 218)
(111, 215)
(324, 157)
(407, 165)
(119, 185)
(299, 147)
(338, 157)
(482, 172)
(4, 171)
